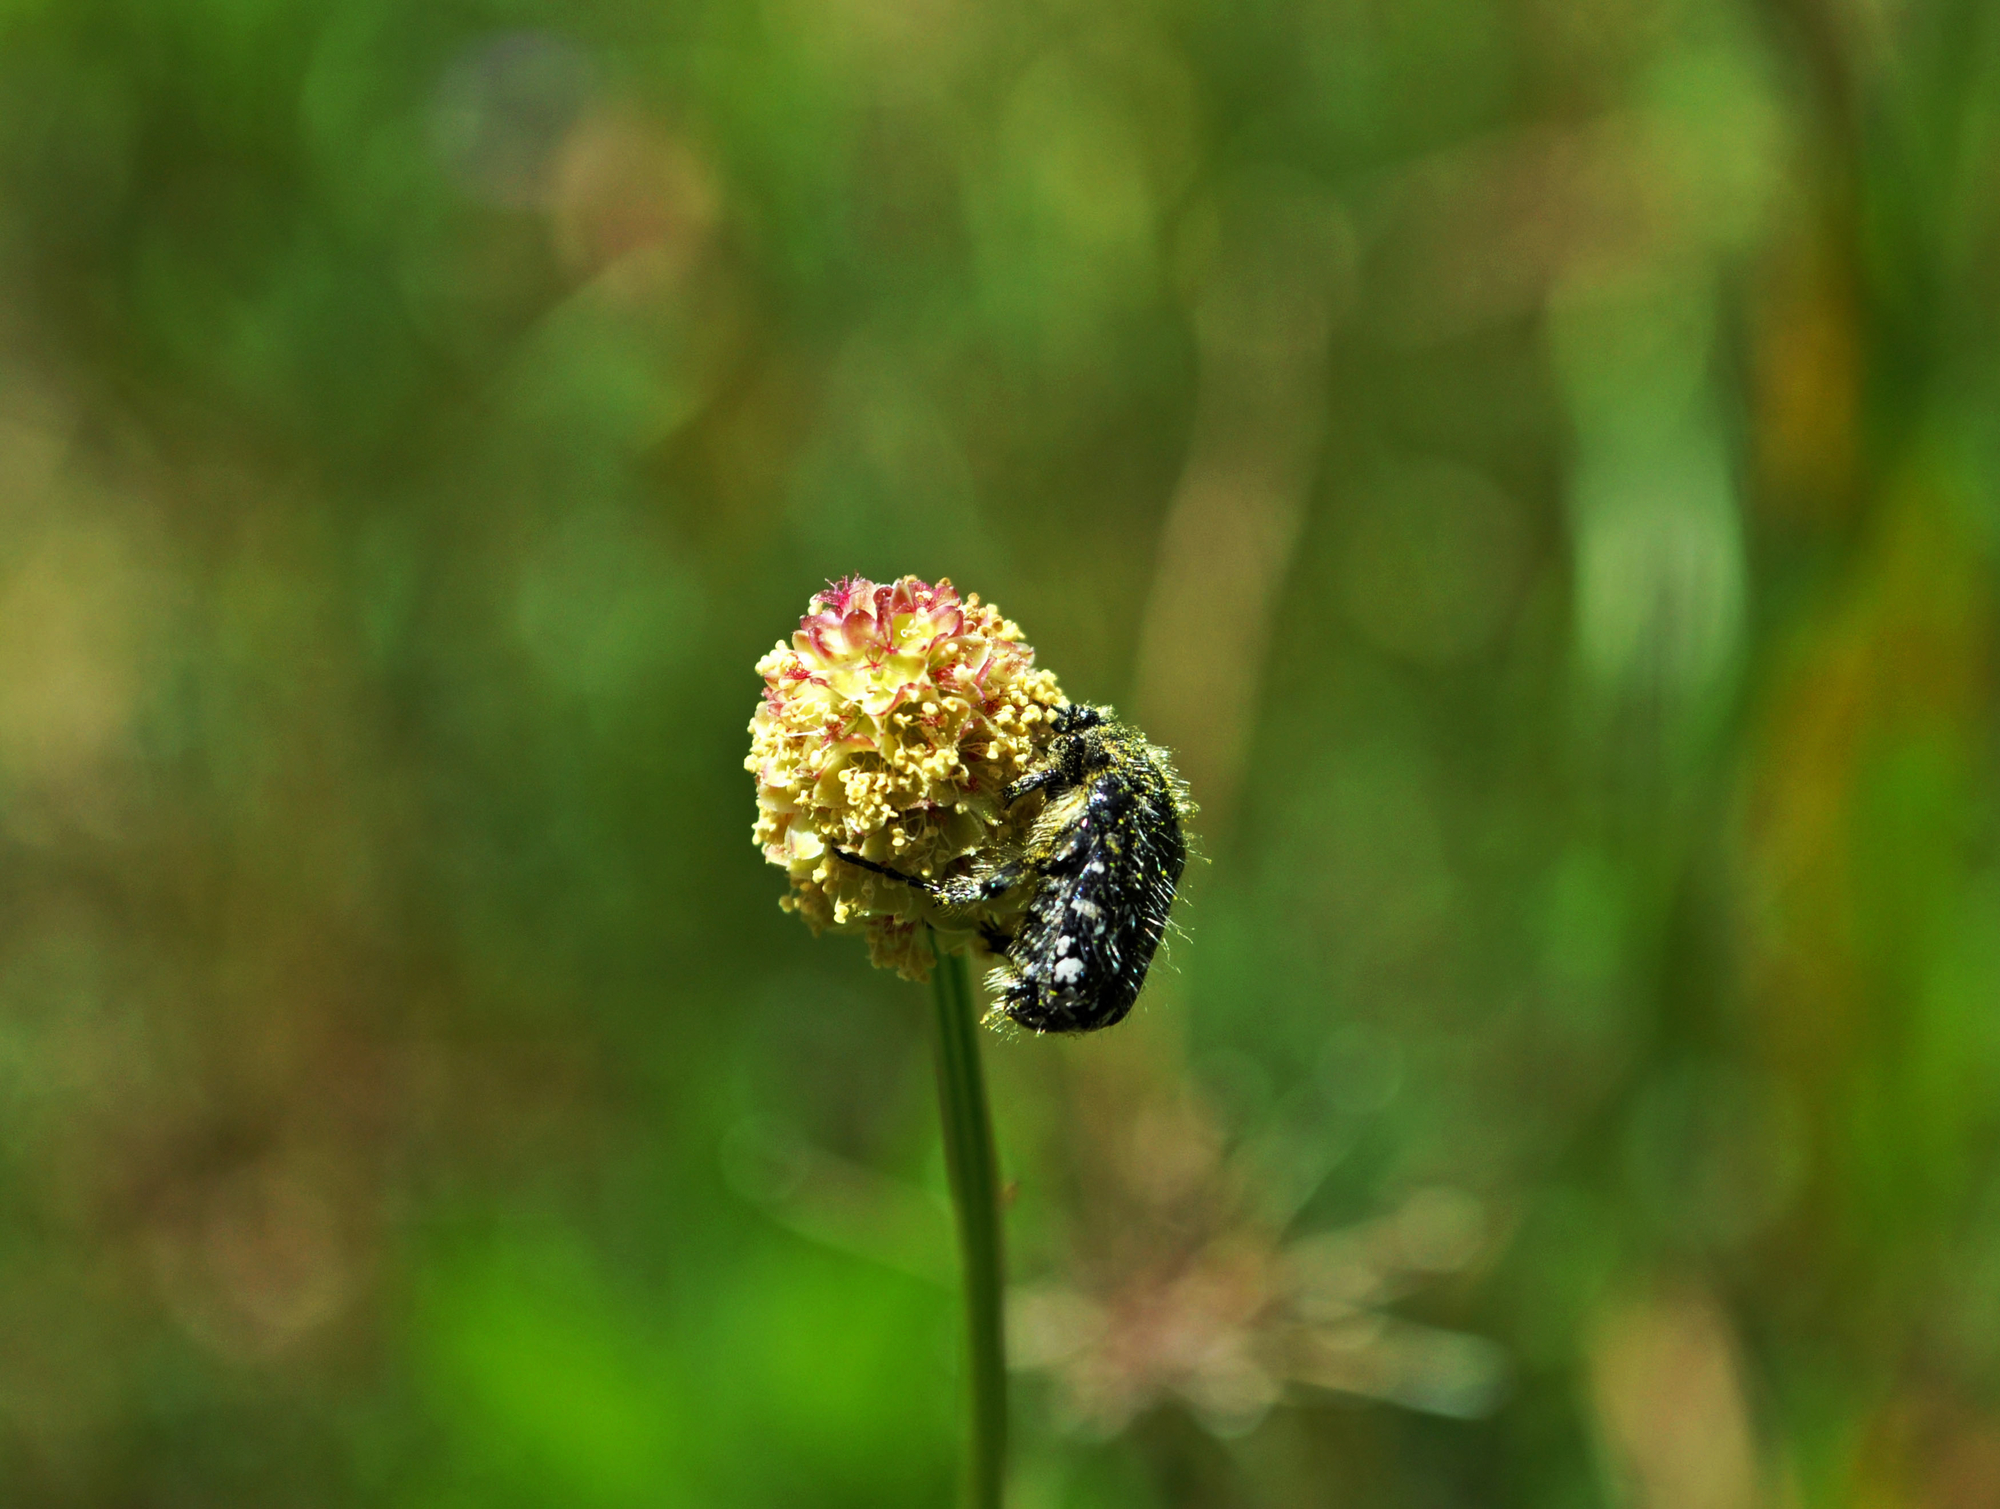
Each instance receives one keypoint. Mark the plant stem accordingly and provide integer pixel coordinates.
(975, 1193)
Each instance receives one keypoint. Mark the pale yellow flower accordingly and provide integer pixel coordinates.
(892, 724)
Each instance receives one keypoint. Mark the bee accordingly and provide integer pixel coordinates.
(1099, 867)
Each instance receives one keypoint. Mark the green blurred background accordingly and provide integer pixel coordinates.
(1536, 460)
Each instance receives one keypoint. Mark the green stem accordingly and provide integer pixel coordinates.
(975, 1192)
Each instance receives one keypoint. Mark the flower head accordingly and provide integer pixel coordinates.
(1186, 1286)
(891, 725)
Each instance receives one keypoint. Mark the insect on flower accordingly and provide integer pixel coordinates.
(906, 732)
(1097, 874)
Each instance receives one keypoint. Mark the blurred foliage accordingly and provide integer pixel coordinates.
(1537, 462)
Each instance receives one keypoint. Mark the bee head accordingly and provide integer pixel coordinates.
(1080, 732)
(1075, 717)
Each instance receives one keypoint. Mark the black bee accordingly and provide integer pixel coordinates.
(1101, 863)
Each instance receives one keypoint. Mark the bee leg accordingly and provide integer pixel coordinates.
(1041, 780)
(997, 939)
(875, 869)
(972, 891)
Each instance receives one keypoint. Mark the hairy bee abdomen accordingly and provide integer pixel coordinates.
(1111, 856)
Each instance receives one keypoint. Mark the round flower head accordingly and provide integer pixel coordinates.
(891, 725)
